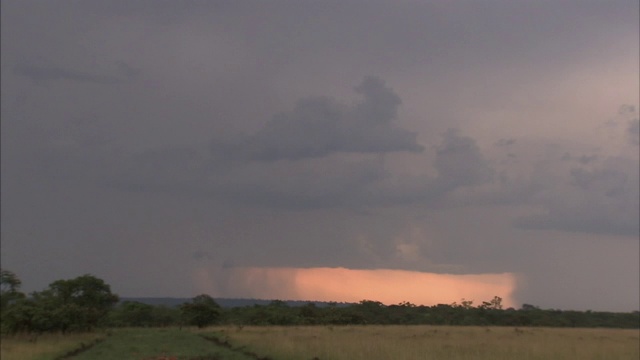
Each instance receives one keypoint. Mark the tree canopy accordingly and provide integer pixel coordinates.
(201, 311)
(78, 304)
(9, 288)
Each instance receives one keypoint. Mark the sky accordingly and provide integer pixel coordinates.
(422, 151)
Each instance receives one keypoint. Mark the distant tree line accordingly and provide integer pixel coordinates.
(489, 313)
(86, 303)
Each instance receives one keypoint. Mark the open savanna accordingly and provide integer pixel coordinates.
(372, 342)
(331, 343)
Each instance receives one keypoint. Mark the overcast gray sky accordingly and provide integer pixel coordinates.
(151, 142)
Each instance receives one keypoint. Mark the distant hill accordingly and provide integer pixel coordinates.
(227, 303)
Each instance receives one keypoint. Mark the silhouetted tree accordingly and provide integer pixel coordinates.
(201, 311)
(9, 289)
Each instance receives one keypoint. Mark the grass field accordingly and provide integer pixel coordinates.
(42, 347)
(435, 342)
(334, 343)
(165, 343)
(121, 344)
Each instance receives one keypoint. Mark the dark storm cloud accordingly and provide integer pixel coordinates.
(593, 192)
(43, 73)
(129, 72)
(315, 140)
(315, 184)
(582, 159)
(581, 221)
(505, 142)
(166, 170)
(120, 180)
(318, 127)
(605, 200)
(323, 182)
(202, 255)
(634, 131)
(460, 162)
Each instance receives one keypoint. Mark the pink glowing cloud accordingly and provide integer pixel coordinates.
(386, 286)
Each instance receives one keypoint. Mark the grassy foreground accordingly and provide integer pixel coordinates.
(158, 343)
(43, 347)
(434, 342)
(122, 344)
(333, 343)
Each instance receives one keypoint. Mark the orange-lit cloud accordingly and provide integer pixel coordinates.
(349, 285)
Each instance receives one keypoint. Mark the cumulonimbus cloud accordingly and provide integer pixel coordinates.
(320, 126)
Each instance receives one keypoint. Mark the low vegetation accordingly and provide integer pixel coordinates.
(45, 346)
(433, 342)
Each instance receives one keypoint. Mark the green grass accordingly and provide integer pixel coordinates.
(43, 347)
(136, 344)
(122, 344)
(435, 342)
